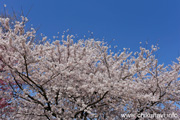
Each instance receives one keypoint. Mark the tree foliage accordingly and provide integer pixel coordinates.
(84, 79)
(5, 90)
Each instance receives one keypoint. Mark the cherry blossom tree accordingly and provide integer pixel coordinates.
(5, 90)
(6, 85)
(67, 80)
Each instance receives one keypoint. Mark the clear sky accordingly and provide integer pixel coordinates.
(127, 21)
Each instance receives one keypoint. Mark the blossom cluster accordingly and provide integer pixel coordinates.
(83, 79)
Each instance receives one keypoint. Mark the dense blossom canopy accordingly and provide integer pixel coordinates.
(67, 80)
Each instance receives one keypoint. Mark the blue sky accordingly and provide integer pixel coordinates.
(127, 21)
